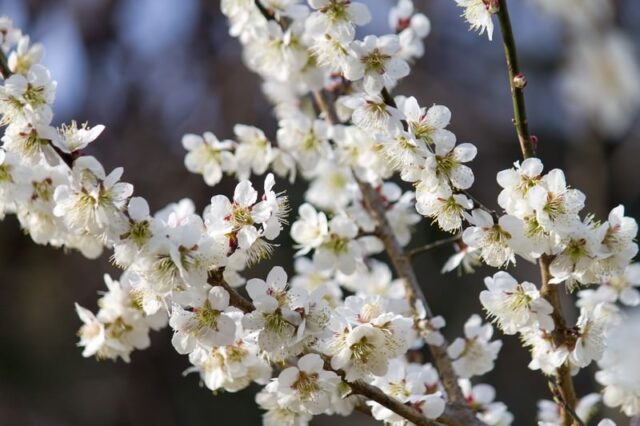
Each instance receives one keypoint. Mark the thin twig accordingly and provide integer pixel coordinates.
(418, 250)
(324, 107)
(235, 298)
(269, 15)
(517, 89)
(479, 204)
(548, 291)
(555, 390)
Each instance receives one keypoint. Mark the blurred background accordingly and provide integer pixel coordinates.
(152, 70)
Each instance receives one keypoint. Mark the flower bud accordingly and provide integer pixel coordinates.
(519, 81)
(493, 6)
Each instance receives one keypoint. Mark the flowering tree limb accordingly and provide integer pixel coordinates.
(338, 350)
(517, 82)
(402, 264)
(455, 415)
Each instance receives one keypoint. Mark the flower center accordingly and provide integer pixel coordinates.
(362, 350)
(306, 385)
(375, 61)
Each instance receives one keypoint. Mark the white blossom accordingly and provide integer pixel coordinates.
(474, 354)
(478, 14)
(515, 305)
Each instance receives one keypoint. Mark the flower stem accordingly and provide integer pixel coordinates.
(435, 244)
(517, 91)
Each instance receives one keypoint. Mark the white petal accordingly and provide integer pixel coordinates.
(438, 116)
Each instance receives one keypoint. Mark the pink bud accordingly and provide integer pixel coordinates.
(493, 6)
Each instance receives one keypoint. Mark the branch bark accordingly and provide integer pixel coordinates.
(406, 411)
(548, 291)
(564, 382)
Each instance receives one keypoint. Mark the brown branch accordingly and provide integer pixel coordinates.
(549, 291)
(325, 108)
(268, 14)
(555, 390)
(453, 413)
(235, 298)
(402, 264)
(516, 82)
(564, 382)
(406, 411)
(418, 250)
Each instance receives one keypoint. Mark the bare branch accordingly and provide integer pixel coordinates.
(435, 244)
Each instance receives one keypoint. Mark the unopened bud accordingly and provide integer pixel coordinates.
(493, 6)
(534, 142)
(519, 81)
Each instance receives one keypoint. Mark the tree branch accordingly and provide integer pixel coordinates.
(235, 298)
(548, 291)
(402, 264)
(375, 205)
(450, 240)
(564, 382)
(454, 415)
(554, 386)
(406, 411)
(516, 82)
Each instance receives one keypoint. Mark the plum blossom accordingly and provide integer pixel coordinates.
(515, 305)
(308, 387)
(208, 156)
(375, 61)
(474, 354)
(478, 14)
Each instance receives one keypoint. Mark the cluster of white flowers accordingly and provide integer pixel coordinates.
(342, 318)
(542, 219)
